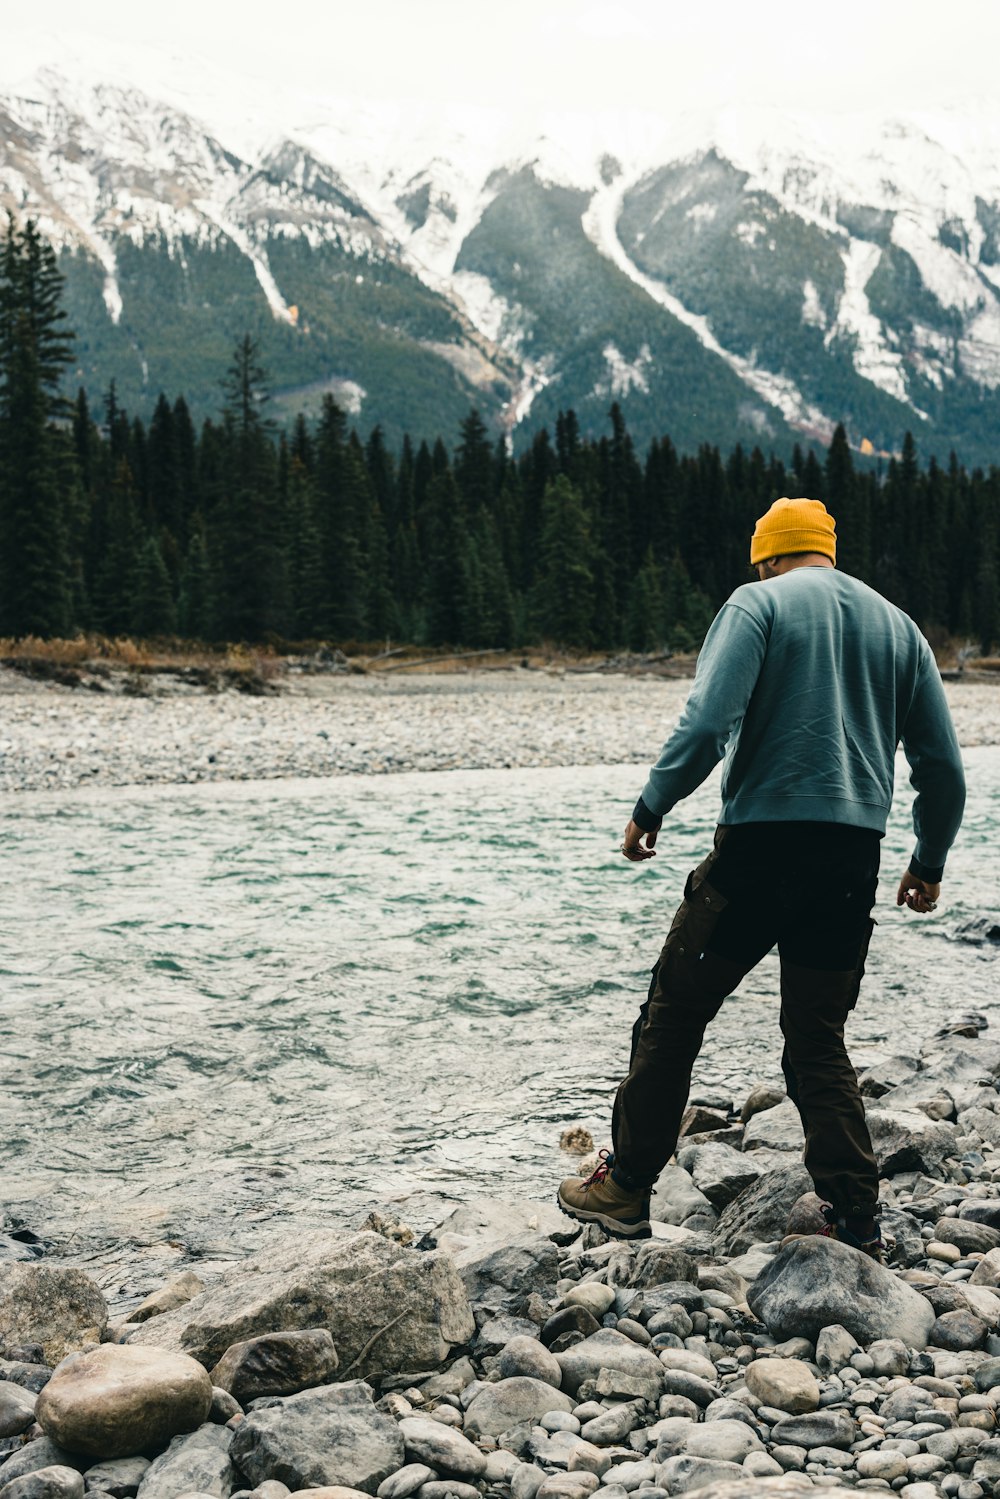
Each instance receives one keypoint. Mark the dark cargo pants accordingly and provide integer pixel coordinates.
(809, 887)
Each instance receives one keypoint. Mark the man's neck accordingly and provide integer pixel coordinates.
(803, 559)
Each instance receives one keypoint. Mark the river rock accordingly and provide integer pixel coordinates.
(987, 1272)
(277, 1363)
(906, 1140)
(834, 1348)
(59, 1308)
(763, 1096)
(120, 1476)
(177, 1292)
(569, 1319)
(729, 1441)
(659, 1264)
(718, 1171)
(441, 1447)
(675, 1197)
(33, 1377)
(513, 1402)
(41, 1453)
(405, 1481)
(197, 1463)
(567, 1486)
(777, 1128)
(978, 1210)
(331, 1435)
(410, 1307)
(330, 1491)
(784, 1383)
(46, 1483)
(826, 1428)
(118, 1401)
(498, 1272)
(759, 1214)
(789, 1486)
(814, 1282)
(17, 1409)
(969, 1236)
(608, 1349)
(678, 1475)
(528, 1357)
(597, 1298)
(958, 1330)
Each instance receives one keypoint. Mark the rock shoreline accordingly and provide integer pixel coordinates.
(511, 1354)
(55, 739)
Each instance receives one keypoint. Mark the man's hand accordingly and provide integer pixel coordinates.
(632, 844)
(917, 894)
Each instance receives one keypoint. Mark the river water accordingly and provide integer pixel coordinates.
(230, 1008)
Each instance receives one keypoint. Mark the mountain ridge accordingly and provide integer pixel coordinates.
(748, 274)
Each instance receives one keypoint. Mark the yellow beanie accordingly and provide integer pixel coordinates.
(794, 526)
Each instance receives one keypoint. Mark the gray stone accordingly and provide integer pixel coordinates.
(277, 1363)
(485, 1220)
(33, 1377)
(527, 1356)
(958, 1330)
(592, 1295)
(906, 1140)
(120, 1401)
(568, 1486)
(59, 1308)
(970, 1237)
(759, 1214)
(495, 1334)
(719, 1171)
(777, 1128)
(890, 1356)
(814, 1282)
(825, 1428)
(197, 1463)
(332, 1435)
(441, 1447)
(675, 1197)
(46, 1483)
(494, 1272)
(388, 1308)
(512, 1402)
(608, 1349)
(614, 1425)
(729, 1441)
(978, 1210)
(726, 1409)
(17, 1409)
(763, 1096)
(405, 1481)
(689, 1386)
(788, 1486)
(987, 1272)
(886, 1073)
(678, 1475)
(834, 1348)
(119, 1476)
(177, 1292)
(784, 1383)
(41, 1453)
(659, 1264)
(223, 1407)
(881, 1464)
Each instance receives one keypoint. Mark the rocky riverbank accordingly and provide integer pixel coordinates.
(54, 737)
(510, 1354)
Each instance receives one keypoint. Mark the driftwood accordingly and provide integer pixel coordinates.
(438, 660)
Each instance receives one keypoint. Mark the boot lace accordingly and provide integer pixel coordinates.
(605, 1162)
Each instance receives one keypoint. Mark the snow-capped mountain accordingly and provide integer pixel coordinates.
(749, 275)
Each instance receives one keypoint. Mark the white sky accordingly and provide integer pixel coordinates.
(657, 55)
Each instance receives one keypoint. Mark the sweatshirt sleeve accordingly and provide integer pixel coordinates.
(728, 667)
(930, 744)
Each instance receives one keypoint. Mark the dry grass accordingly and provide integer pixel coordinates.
(90, 660)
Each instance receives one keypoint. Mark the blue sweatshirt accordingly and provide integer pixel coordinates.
(806, 684)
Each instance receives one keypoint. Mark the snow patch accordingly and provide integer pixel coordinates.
(536, 375)
(600, 223)
(749, 234)
(872, 358)
(812, 308)
(351, 395)
(702, 213)
(949, 278)
(624, 377)
(979, 350)
(257, 258)
(486, 309)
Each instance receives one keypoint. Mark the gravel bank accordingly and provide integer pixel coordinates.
(54, 737)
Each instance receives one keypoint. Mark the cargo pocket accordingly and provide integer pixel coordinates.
(697, 918)
(859, 970)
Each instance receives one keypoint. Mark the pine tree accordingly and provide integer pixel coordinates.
(564, 588)
(196, 607)
(153, 609)
(35, 581)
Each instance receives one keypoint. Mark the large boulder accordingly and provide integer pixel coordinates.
(388, 1309)
(609, 1349)
(486, 1220)
(760, 1213)
(815, 1282)
(675, 1197)
(59, 1308)
(119, 1401)
(907, 1140)
(512, 1402)
(719, 1171)
(496, 1273)
(330, 1436)
(441, 1447)
(277, 1363)
(778, 1128)
(194, 1464)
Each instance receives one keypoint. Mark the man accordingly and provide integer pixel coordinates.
(807, 681)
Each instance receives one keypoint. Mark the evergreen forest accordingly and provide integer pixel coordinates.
(242, 531)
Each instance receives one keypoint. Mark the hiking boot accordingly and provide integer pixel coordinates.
(836, 1228)
(622, 1212)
